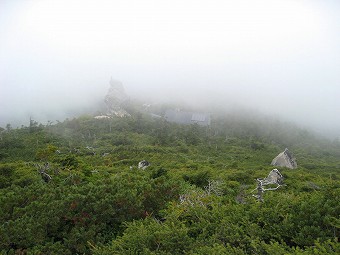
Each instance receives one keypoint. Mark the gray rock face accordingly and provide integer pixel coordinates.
(274, 177)
(115, 99)
(285, 159)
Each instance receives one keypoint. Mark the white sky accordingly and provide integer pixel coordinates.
(278, 56)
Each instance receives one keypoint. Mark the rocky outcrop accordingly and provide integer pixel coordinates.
(285, 159)
(115, 99)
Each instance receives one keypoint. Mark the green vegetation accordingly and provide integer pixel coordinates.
(98, 202)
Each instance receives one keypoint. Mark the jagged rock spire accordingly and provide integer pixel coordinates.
(115, 99)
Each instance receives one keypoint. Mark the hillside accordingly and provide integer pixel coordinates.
(74, 188)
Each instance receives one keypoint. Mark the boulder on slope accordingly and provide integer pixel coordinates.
(285, 159)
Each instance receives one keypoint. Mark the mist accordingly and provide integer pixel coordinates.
(277, 57)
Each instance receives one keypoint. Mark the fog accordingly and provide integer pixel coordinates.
(277, 57)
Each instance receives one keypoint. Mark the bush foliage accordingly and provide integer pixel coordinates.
(194, 198)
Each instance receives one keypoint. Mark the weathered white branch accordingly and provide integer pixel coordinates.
(274, 177)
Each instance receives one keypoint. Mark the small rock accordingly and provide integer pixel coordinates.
(143, 164)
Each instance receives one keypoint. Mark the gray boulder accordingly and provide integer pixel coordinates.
(285, 159)
(143, 164)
